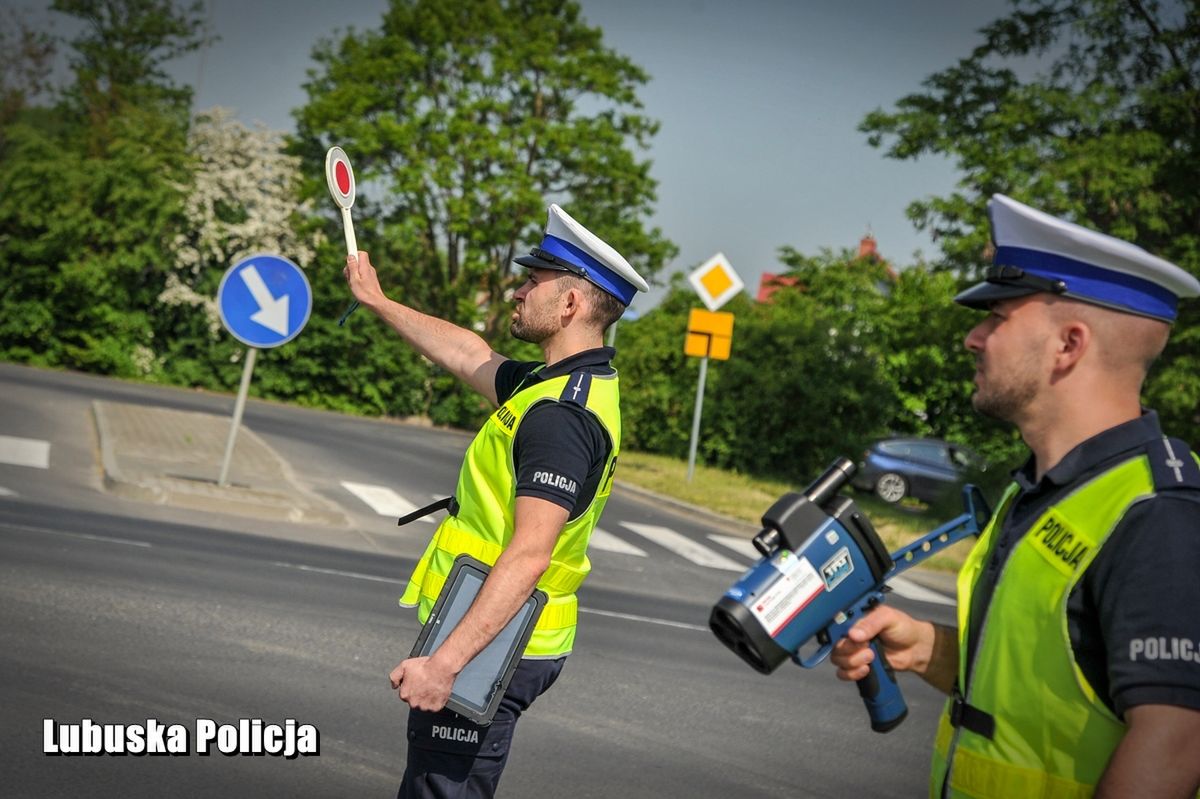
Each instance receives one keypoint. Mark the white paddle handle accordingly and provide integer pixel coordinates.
(348, 224)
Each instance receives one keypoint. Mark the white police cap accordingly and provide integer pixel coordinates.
(1038, 252)
(569, 246)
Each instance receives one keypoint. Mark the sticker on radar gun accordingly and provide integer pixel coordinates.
(340, 177)
(798, 584)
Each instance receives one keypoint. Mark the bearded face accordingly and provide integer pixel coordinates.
(1009, 347)
(1004, 391)
(536, 316)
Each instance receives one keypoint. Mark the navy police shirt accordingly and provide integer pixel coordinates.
(560, 449)
(1132, 619)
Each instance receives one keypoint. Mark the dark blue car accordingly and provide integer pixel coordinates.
(926, 469)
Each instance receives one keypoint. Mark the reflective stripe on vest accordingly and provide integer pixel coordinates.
(1053, 736)
(484, 524)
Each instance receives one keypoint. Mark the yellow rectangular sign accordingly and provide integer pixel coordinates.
(709, 334)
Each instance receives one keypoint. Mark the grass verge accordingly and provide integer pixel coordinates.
(745, 498)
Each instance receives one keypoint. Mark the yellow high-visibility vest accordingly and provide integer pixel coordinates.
(486, 495)
(1053, 736)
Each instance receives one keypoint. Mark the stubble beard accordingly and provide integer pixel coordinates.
(535, 331)
(1007, 399)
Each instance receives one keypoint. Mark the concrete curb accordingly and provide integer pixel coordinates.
(287, 502)
(114, 479)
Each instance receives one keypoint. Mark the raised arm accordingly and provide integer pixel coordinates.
(457, 350)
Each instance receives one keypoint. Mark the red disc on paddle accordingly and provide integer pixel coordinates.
(343, 177)
(339, 176)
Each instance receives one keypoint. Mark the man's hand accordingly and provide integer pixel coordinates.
(909, 645)
(363, 280)
(423, 683)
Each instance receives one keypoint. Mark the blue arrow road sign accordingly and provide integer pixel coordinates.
(265, 300)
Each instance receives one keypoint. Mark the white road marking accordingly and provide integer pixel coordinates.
(25, 452)
(602, 539)
(85, 536)
(7, 492)
(383, 501)
(338, 572)
(910, 590)
(742, 546)
(646, 619)
(684, 547)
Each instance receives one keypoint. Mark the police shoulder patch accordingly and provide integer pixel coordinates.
(1172, 464)
(579, 384)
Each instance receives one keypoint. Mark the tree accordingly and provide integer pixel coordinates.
(463, 120)
(241, 200)
(805, 382)
(91, 195)
(929, 371)
(117, 58)
(1107, 133)
(26, 56)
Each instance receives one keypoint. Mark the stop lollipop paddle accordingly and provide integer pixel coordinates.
(340, 178)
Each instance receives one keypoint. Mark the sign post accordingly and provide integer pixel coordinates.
(339, 177)
(264, 301)
(709, 333)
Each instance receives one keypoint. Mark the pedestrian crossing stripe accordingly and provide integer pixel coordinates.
(387, 502)
(742, 546)
(383, 501)
(606, 541)
(25, 452)
(685, 547)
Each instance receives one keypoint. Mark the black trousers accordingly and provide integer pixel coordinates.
(450, 757)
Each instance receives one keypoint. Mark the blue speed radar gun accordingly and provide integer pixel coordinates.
(823, 567)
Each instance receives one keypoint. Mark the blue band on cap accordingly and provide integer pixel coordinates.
(594, 270)
(1090, 282)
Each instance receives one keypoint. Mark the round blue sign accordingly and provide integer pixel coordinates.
(264, 300)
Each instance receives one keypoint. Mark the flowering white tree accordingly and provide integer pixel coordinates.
(242, 201)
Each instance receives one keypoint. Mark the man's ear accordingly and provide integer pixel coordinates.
(573, 303)
(1074, 340)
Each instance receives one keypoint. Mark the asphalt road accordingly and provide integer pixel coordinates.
(122, 612)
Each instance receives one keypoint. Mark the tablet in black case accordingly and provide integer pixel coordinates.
(481, 684)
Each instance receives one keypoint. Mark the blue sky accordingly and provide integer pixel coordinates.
(759, 102)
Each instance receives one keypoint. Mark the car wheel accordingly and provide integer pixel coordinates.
(891, 487)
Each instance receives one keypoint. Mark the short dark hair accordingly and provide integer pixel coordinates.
(605, 308)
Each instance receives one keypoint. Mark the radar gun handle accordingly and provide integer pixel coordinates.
(880, 693)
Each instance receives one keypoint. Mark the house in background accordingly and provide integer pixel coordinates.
(769, 283)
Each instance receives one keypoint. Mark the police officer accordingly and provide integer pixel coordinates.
(1075, 668)
(529, 494)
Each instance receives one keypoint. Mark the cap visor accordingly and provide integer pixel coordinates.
(533, 262)
(982, 295)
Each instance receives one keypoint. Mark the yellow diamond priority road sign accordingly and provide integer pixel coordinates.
(715, 281)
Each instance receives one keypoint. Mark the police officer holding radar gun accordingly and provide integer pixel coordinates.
(530, 492)
(1075, 668)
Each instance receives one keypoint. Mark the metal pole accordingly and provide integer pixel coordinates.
(612, 335)
(696, 417)
(238, 407)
